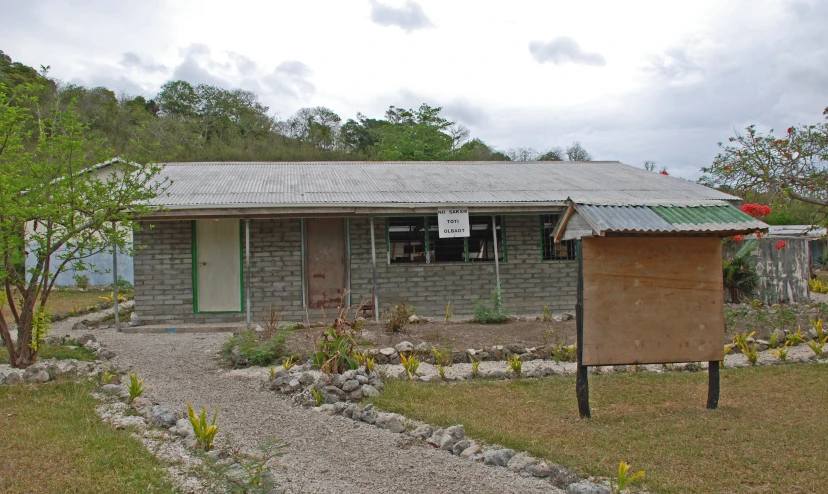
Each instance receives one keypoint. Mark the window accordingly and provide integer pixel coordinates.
(549, 249)
(481, 243)
(406, 239)
(444, 249)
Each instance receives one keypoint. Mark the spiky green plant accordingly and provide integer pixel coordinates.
(410, 364)
(317, 395)
(515, 365)
(204, 432)
(781, 353)
(475, 365)
(817, 346)
(624, 478)
(136, 386)
(370, 364)
(288, 363)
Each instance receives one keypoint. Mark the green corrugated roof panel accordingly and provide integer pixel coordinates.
(722, 217)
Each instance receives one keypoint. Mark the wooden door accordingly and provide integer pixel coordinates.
(218, 266)
(326, 266)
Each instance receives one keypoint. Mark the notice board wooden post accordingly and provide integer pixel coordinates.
(581, 379)
(649, 300)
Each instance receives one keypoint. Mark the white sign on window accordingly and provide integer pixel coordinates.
(453, 222)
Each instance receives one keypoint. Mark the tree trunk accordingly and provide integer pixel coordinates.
(25, 355)
(734, 295)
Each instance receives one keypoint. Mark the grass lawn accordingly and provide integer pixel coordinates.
(768, 435)
(58, 352)
(52, 441)
(61, 301)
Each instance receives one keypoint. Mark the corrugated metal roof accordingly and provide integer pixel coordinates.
(795, 231)
(712, 218)
(708, 218)
(384, 183)
(625, 219)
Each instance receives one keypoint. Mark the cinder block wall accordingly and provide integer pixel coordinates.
(164, 272)
(527, 282)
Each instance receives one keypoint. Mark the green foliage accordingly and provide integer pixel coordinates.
(136, 386)
(475, 365)
(624, 478)
(442, 357)
(515, 364)
(740, 277)
(565, 353)
(318, 396)
(817, 325)
(817, 346)
(781, 353)
(399, 317)
(370, 364)
(785, 317)
(441, 370)
(107, 376)
(410, 364)
(773, 343)
(448, 313)
(796, 338)
(40, 328)
(204, 432)
(256, 468)
(288, 363)
(787, 167)
(491, 312)
(81, 281)
(258, 349)
(742, 340)
(336, 350)
(271, 372)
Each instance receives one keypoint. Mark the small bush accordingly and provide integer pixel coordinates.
(399, 317)
(257, 351)
(204, 432)
(136, 386)
(81, 281)
(516, 365)
(491, 312)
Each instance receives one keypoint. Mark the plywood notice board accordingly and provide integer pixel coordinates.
(652, 300)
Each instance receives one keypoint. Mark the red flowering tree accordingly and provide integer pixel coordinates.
(756, 210)
(792, 166)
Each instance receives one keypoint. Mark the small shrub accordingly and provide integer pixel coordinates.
(442, 357)
(817, 346)
(399, 317)
(751, 354)
(317, 395)
(255, 467)
(773, 343)
(136, 386)
(81, 281)
(624, 478)
(448, 313)
(475, 364)
(107, 376)
(794, 339)
(817, 325)
(565, 353)
(516, 365)
(741, 340)
(491, 312)
(257, 348)
(441, 370)
(204, 432)
(336, 349)
(288, 363)
(781, 353)
(819, 286)
(272, 373)
(40, 328)
(370, 364)
(111, 298)
(410, 364)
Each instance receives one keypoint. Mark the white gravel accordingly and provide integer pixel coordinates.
(326, 453)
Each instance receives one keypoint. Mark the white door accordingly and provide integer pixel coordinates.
(218, 258)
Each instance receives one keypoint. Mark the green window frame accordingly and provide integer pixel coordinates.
(195, 272)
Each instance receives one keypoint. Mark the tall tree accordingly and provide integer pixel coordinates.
(576, 152)
(54, 206)
(790, 167)
(415, 135)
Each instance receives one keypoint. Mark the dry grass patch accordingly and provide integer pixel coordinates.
(61, 301)
(53, 441)
(767, 436)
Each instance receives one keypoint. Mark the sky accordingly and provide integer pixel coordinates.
(632, 81)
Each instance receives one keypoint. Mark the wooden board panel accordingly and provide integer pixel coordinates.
(326, 262)
(652, 300)
(218, 246)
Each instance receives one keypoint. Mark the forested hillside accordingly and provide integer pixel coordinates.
(186, 122)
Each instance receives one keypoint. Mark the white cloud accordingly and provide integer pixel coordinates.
(562, 50)
(409, 17)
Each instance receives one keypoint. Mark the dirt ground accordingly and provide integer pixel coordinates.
(458, 336)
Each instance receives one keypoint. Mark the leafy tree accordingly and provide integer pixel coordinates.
(415, 135)
(53, 204)
(790, 167)
(554, 154)
(361, 136)
(523, 154)
(576, 152)
(319, 126)
(477, 150)
(649, 165)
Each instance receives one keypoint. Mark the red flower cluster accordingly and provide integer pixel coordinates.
(738, 238)
(756, 210)
(780, 244)
(758, 234)
(663, 172)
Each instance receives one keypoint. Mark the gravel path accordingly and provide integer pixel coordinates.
(326, 454)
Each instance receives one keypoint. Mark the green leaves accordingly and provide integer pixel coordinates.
(204, 432)
(624, 478)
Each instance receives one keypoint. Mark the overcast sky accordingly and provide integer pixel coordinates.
(633, 81)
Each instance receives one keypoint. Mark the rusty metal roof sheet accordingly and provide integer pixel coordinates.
(314, 184)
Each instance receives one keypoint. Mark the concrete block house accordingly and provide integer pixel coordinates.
(232, 239)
